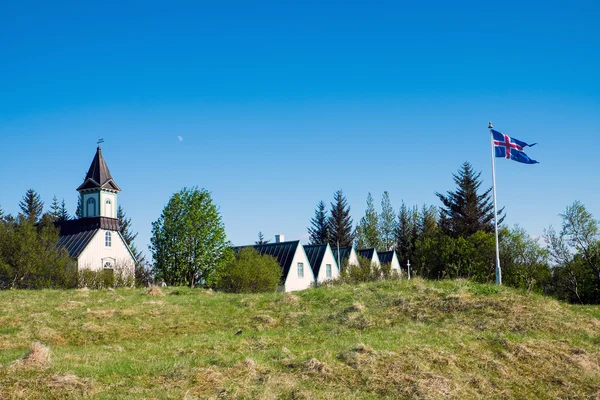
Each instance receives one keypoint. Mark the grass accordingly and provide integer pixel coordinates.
(402, 339)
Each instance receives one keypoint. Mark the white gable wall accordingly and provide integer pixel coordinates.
(396, 264)
(96, 253)
(328, 258)
(353, 259)
(292, 280)
(375, 258)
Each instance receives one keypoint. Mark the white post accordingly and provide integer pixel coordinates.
(408, 268)
(498, 269)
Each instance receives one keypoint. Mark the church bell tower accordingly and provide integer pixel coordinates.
(98, 192)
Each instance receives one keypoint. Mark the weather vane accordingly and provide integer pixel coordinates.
(100, 140)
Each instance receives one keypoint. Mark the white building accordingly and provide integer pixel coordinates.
(322, 261)
(369, 254)
(94, 239)
(390, 257)
(296, 272)
(343, 254)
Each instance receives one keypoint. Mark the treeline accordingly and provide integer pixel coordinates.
(30, 258)
(456, 240)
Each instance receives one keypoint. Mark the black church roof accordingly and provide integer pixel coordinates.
(98, 176)
(75, 234)
(284, 253)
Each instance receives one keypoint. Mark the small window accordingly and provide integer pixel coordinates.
(91, 207)
(108, 201)
(328, 270)
(108, 265)
(107, 239)
(300, 270)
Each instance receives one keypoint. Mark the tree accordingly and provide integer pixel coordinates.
(367, 231)
(340, 222)
(576, 251)
(79, 209)
(142, 274)
(465, 211)
(524, 262)
(318, 232)
(261, 239)
(63, 214)
(188, 240)
(249, 272)
(387, 224)
(54, 209)
(31, 206)
(403, 236)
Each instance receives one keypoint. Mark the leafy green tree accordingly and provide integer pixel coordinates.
(249, 272)
(340, 222)
(188, 240)
(524, 261)
(367, 231)
(465, 211)
(318, 231)
(261, 239)
(576, 253)
(387, 224)
(32, 206)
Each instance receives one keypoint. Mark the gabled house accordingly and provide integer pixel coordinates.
(369, 254)
(322, 261)
(390, 257)
(94, 239)
(342, 254)
(296, 272)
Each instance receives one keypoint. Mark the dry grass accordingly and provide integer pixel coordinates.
(155, 291)
(37, 357)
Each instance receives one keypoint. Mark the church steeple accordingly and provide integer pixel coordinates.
(98, 191)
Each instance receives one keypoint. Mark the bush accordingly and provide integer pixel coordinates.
(365, 271)
(120, 276)
(249, 272)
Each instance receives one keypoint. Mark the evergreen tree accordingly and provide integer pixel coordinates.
(387, 224)
(318, 232)
(1, 213)
(340, 222)
(465, 211)
(403, 236)
(54, 209)
(261, 239)
(428, 220)
(79, 209)
(129, 237)
(367, 231)
(32, 206)
(63, 214)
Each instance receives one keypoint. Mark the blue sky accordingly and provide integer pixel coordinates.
(280, 104)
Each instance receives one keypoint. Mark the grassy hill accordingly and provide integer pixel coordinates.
(415, 339)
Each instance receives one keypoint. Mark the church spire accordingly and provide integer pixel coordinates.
(98, 176)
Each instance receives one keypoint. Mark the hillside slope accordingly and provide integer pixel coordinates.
(415, 339)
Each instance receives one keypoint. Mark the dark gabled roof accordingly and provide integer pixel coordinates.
(386, 256)
(344, 254)
(98, 176)
(366, 253)
(76, 234)
(315, 254)
(284, 253)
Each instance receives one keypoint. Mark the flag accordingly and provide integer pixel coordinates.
(511, 148)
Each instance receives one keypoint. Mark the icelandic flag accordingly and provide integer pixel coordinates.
(511, 148)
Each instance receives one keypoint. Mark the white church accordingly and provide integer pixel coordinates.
(94, 239)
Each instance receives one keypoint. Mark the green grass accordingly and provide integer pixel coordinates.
(415, 339)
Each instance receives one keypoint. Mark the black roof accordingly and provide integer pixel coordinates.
(366, 253)
(386, 256)
(315, 254)
(284, 253)
(76, 234)
(344, 254)
(98, 176)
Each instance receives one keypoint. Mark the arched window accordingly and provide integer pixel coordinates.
(91, 207)
(108, 264)
(108, 208)
(107, 239)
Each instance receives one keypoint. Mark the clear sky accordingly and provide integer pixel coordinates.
(280, 104)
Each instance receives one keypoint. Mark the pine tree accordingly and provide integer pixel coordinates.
(428, 220)
(1, 213)
(261, 239)
(129, 238)
(340, 222)
(79, 209)
(407, 233)
(387, 224)
(63, 214)
(367, 231)
(465, 211)
(318, 232)
(54, 209)
(31, 206)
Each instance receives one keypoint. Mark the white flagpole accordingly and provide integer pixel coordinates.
(498, 270)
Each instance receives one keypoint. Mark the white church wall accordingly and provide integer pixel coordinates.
(97, 253)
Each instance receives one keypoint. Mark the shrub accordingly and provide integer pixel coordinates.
(249, 272)
(120, 276)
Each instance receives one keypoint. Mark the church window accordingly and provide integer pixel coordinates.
(108, 265)
(107, 239)
(108, 208)
(91, 207)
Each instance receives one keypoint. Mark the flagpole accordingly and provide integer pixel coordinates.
(498, 270)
